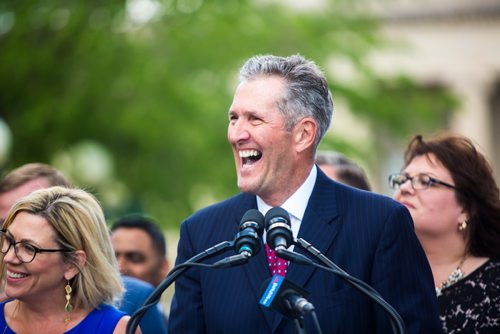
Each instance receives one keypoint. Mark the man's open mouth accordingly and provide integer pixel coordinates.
(249, 157)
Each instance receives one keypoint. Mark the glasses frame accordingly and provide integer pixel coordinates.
(12, 242)
(411, 178)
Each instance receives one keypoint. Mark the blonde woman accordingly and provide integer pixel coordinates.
(59, 267)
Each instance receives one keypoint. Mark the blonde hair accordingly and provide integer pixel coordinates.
(79, 223)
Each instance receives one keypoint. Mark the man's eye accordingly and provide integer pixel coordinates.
(256, 120)
(135, 257)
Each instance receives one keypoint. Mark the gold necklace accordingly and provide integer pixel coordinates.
(455, 276)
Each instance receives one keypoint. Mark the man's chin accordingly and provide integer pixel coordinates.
(246, 187)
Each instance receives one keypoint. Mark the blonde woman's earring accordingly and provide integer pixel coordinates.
(68, 307)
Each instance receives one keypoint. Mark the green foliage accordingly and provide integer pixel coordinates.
(155, 95)
(399, 106)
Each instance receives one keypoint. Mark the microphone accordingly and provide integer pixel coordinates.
(247, 240)
(285, 297)
(278, 228)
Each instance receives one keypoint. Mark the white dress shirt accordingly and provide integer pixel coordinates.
(296, 204)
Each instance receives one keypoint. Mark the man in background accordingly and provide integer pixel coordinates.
(341, 169)
(140, 249)
(24, 180)
(27, 178)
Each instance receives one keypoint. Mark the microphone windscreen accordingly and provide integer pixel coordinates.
(277, 212)
(253, 215)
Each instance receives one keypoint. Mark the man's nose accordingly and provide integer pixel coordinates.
(238, 131)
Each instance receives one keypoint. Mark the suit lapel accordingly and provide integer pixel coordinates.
(318, 226)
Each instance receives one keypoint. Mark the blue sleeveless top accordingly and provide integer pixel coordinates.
(101, 320)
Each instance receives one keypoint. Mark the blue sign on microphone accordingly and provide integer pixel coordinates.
(271, 290)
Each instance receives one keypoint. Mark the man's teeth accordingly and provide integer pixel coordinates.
(248, 153)
(15, 275)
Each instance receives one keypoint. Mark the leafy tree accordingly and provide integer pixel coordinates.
(83, 82)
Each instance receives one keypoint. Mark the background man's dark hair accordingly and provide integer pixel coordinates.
(347, 171)
(146, 224)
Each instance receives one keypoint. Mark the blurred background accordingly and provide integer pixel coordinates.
(130, 98)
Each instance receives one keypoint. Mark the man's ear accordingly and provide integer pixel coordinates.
(305, 132)
(72, 270)
(165, 267)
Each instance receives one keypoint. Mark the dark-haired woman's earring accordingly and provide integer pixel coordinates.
(462, 225)
(68, 307)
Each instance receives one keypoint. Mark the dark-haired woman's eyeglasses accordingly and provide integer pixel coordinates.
(418, 182)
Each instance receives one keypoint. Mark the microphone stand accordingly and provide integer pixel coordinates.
(173, 275)
(396, 320)
(299, 325)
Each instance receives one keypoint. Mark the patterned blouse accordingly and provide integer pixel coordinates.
(472, 305)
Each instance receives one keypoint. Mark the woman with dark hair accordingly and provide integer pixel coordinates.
(449, 189)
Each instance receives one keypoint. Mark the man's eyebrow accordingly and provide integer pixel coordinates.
(245, 112)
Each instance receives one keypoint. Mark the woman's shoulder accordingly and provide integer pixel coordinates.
(484, 280)
(491, 270)
(102, 319)
(106, 311)
(488, 271)
(3, 322)
(2, 309)
(472, 303)
(493, 263)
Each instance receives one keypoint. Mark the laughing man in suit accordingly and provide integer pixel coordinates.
(281, 109)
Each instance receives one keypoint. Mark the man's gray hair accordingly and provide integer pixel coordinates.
(307, 93)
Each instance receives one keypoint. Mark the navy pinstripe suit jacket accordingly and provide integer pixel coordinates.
(368, 235)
